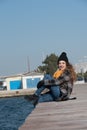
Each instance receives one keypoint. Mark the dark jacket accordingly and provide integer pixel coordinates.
(64, 82)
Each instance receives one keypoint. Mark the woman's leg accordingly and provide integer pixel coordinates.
(47, 76)
(38, 91)
(55, 91)
(37, 97)
(47, 97)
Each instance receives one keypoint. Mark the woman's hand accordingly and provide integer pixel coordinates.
(49, 82)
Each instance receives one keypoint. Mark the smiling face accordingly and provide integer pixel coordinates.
(62, 65)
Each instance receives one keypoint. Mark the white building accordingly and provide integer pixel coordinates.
(23, 81)
(81, 67)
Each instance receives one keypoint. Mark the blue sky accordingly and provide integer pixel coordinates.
(33, 29)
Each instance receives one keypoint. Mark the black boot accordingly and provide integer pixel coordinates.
(34, 98)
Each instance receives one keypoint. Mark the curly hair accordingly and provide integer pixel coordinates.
(71, 69)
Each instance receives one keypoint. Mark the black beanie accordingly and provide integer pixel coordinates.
(63, 57)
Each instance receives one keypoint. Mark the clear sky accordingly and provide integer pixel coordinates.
(32, 29)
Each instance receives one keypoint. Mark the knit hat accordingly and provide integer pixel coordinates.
(63, 57)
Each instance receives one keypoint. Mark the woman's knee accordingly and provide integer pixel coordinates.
(55, 90)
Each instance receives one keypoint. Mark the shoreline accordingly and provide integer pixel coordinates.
(22, 92)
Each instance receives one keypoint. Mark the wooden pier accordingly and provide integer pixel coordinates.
(65, 115)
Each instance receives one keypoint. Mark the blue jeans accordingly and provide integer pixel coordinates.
(38, 91)
(52, 95)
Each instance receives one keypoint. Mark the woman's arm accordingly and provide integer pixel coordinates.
(65, 77)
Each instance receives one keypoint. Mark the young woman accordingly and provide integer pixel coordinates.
(60, 85)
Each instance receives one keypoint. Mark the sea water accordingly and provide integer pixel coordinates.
(13, 112)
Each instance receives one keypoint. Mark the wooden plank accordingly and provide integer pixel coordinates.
(66, 115)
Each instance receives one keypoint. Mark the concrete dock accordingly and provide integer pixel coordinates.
(65, 115)
(13, 93)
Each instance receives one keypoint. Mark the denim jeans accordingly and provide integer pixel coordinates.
(52, 95)
(38, 91)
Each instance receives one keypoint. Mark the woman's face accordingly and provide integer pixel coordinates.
(62, 65)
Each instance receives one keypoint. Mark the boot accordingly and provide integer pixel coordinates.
(34, 98)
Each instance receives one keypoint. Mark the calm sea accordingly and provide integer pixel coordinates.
(13, 112)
